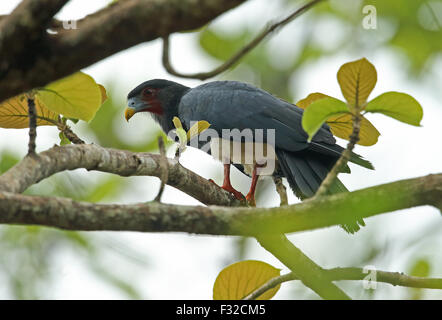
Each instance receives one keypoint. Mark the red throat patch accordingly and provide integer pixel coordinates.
(155, 107)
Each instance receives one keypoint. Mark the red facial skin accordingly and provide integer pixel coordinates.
(149, 95)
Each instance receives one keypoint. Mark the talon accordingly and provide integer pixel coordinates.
(238, 195)
(251, 200)
(228, 186)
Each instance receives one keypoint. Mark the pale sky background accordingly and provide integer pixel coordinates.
(402, 152)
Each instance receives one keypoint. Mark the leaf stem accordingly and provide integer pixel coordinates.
(339, 274)
(345, 156)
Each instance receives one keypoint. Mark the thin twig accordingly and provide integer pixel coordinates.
(272, 283)
(237, 56)
(69, 134)
(164, 168)
(282, 191)
(345, 156)
(339, 274)
(32, 126)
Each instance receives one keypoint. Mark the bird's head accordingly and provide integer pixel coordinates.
(155, 96)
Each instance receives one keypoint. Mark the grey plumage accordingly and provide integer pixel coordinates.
(236, 105)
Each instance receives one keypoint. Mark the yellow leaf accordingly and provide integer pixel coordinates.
(177, 122)
(14, 113)
(103, 93)
(242, 278)
(77, 96)
(342, 125)
(197, 128)
(357, 79)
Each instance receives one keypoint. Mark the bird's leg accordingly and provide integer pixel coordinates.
(227, 185)
(250, 197)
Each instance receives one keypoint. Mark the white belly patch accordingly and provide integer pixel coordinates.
(245, 153)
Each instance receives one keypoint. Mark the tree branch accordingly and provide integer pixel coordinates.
(306, 270)
(124, 163)
(339, 274)
(24, 28)
(68, 133)
(308, 215)
(237, 56)
(131, 22)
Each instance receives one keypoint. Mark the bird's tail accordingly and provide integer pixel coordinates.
(305, 172)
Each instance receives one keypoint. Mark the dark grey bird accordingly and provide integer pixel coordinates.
(229, 105)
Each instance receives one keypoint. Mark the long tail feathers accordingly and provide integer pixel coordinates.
(336, 150)
(305, 173)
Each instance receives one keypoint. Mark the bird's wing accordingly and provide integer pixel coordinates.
(231, 104)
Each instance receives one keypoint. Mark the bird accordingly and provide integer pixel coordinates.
(231, 105)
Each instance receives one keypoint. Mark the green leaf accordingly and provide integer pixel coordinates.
(63, 139)
(242, 278)
(342, 125)
(397, 105)
(357, 79)
(420, 268)
(77, 96)
(319, 111)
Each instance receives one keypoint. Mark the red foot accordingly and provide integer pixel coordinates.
(238, 195)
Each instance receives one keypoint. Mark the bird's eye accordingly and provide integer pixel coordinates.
(147, 92)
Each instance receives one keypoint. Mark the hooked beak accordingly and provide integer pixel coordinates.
(129, 112)
(134, 105)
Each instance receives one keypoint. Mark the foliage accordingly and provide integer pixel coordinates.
(75, 97)
(357, 79)
(28, 254)
(342, 125)
(406, 30)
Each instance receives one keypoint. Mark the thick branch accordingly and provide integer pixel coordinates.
(338, 274)
(73, 215)
(308, 215)
(124, 163)
(24, 27)
(238, 55)
(130, 21)
(303, 267)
